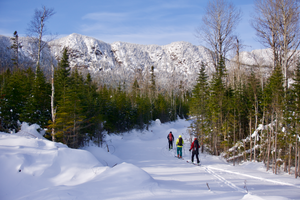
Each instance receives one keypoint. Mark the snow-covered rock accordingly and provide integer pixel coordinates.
(121, 61)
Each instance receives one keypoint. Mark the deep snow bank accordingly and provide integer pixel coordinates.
(31, 164)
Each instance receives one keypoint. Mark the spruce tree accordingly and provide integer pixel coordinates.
(62, 83)
(37, 108)
(15, 94)
(198, 105)
(91, 109)
(161, 109)
(295, 109)
(61, 75)
(216, 103)
(275, 97)
(15, 47)
(253, 98)
(152, 92)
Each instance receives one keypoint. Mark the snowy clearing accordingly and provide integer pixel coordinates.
(139, 167)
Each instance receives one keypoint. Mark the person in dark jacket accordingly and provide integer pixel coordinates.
(170, 138)
(195, 150)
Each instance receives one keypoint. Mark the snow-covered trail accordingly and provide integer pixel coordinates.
(178, 179)
(140, 167)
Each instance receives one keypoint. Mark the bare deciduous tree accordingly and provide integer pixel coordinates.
(37, 28)
(217, 27)
(289, 31)
(276, 23)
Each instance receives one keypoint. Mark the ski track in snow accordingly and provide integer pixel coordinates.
(209, 170)
(228, 183)
(139, 174)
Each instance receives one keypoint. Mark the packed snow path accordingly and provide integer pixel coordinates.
(141, 167)
(178, 179)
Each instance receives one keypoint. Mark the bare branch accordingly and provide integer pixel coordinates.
(37, 27)
(277, 27)
(217, 27)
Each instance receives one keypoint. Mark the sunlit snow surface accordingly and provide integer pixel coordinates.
(139, 166)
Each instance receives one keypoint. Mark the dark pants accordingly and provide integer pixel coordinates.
(195, 153)
(170, 144)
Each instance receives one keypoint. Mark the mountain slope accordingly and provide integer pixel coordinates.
(175, 64)
(122, 61)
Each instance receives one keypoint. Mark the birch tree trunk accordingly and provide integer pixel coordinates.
(256, 122)
(298, 162)
(234, 137)
(52, 104)
(250, 127)
(275, 143)
(296, 149)
(290, 158)
(245, 153)
(272, 136)
(269, 149)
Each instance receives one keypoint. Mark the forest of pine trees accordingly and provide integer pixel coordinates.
(248, 119)
(83, 110)
(244, 119)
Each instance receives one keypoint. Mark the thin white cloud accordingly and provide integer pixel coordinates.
(153, 35)
(93, 27)
(166, 6)
(152, 24)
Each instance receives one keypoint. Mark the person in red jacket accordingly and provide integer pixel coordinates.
(195, 147)
(170, 138)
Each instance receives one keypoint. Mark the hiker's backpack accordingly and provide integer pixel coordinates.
(196, 145)
(170, 137)
(180, 142)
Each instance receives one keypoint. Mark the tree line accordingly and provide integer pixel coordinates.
(84, 110)
(248, 115)
(244, 121)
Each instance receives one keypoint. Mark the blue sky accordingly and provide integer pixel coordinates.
(136, 21)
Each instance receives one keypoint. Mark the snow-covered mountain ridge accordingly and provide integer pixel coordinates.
(122, 61)
(176, 63)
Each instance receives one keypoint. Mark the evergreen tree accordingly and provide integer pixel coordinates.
(216, 104)
(152, 92)
(275, 98)
(143, 110)
(253, 97)
(62, 83)
(198, 105)
(37, 108)
(72, 111)
(15, 47)
(161, 109)
(295, 110)
(62, 76)
(15, 94)
(181, 102)
(92, 111)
